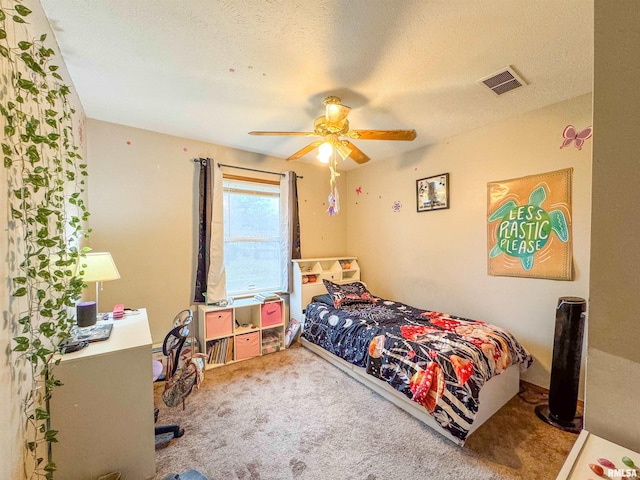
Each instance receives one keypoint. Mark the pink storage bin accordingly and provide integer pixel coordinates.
(271, 314)
(247, 345)
(219, 323)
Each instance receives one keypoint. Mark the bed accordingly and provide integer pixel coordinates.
(452, 373)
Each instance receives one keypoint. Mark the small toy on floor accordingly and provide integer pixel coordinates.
(187, 475)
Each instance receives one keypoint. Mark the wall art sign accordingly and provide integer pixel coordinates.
(529, 226)
(432, 193)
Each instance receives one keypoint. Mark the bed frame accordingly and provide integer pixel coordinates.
(493, 395)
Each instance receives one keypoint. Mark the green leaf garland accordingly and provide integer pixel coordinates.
(45, 172)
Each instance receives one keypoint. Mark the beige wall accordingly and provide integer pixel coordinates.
(144, 210)
(614, 349)
(438, 260)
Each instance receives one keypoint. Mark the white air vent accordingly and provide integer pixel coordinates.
(503, 81)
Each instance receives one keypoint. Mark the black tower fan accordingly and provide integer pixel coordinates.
(565, 371)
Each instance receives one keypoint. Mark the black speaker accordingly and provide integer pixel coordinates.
(565, 370)
(86, 314)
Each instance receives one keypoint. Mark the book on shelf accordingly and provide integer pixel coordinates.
(266, 297)
(220, 351)
(229, 351)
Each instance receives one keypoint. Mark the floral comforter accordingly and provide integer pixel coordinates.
(439, 361)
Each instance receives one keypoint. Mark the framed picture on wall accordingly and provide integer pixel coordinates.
(432, 193)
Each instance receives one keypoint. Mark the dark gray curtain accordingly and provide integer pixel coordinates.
(205, 199)
(296, 252)
(290, 229)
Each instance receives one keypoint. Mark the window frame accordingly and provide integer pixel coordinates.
(226, 178)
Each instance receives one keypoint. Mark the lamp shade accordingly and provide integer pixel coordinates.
(100, 267)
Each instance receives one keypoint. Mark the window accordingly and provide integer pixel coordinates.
(252, 247)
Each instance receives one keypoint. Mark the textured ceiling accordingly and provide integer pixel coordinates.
(214, 70)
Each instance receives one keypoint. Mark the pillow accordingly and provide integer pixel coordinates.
(324, 298)
(348, 293)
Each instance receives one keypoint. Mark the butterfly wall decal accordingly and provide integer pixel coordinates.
(570, 134)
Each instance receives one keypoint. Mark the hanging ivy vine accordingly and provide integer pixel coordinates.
(47, 218)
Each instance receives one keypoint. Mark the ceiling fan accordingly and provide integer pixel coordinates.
(333, 125)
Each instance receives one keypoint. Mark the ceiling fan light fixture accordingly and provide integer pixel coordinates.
(333, 125)
(324, 152)
(343, 150)
(336, 113)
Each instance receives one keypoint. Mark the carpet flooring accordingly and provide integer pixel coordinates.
(292, 415)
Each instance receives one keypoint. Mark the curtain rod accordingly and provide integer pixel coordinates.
(246, 168)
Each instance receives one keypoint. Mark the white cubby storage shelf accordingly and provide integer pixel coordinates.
(245, 329)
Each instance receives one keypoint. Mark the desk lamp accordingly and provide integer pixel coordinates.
(99, 267)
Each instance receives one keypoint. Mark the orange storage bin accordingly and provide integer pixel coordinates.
(247, 345)
(271, 314)
(219, 323)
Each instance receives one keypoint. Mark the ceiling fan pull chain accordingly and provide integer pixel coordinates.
(334, 198)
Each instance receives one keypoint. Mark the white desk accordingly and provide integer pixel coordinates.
(587, 450)
(104, 410)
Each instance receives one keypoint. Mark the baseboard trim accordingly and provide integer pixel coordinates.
(542, 392)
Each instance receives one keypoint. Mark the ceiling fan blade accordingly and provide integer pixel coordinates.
(356, 154)
(303, 134)
(382, 134)
(302, 152)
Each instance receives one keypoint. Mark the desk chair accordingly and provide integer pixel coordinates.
(184, 369)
